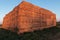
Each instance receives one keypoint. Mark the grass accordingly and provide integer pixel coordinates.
(8, 35)
(58, 24)
(0, 25)
(52, 33)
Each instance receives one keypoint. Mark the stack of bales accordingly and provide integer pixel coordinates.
(27, 17)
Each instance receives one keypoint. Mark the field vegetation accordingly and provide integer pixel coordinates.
(52, 33)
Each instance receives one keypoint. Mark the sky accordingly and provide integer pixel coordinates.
(8, 5)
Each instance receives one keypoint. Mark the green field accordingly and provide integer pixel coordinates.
(0, 25)
(52, 33)
(58, 24)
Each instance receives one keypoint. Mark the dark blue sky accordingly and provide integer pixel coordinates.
(7, 5)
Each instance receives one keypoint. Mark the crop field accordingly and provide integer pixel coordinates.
(52, 33)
